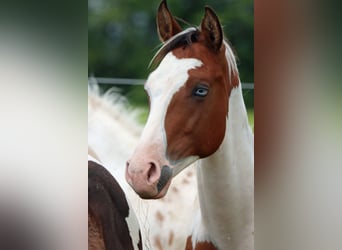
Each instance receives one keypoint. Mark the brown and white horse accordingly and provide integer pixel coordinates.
(113, 133)
(112, 224)
(197, 114)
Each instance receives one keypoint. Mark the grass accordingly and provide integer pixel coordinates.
(142, 118)
(250, 114)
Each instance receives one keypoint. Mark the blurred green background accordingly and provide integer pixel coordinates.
(122, 38)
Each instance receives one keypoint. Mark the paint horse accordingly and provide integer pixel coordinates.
(112, 224)
(197, 114)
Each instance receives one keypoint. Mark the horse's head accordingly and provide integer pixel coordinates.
(188, 93)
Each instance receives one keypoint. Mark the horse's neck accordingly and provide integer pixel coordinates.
(225, 182)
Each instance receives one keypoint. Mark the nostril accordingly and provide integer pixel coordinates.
(151, 170)
(153, 174)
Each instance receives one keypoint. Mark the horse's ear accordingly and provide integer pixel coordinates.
(166, 23)
(211, 28)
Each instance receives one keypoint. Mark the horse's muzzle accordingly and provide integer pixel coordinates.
(148, 180)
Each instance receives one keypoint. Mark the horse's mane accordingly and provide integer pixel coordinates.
(185, 38)
(115, 105)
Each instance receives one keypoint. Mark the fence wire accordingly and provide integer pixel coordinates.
(128, 81)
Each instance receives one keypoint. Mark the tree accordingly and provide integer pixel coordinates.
(122, 35)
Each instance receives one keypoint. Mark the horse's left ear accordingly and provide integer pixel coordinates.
(166, 24)
(212, 30)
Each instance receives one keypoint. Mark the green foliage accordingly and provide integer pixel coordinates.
(122, 35)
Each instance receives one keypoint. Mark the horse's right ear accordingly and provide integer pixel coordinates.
(166, 23)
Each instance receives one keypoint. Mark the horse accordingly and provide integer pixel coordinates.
(113, 133)
(198, 116)
(112, 224)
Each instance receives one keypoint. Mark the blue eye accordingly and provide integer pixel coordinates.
(201, 91)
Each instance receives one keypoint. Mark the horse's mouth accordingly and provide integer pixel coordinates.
(165, 176)
(163, 183)
(158, 194)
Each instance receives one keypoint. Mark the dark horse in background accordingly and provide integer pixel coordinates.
(108, 212)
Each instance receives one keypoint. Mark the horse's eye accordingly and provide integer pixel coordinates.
(201, 91)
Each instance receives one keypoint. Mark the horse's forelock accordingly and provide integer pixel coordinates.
(183, 38)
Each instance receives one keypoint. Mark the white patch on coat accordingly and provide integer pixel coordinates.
(133, 226)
